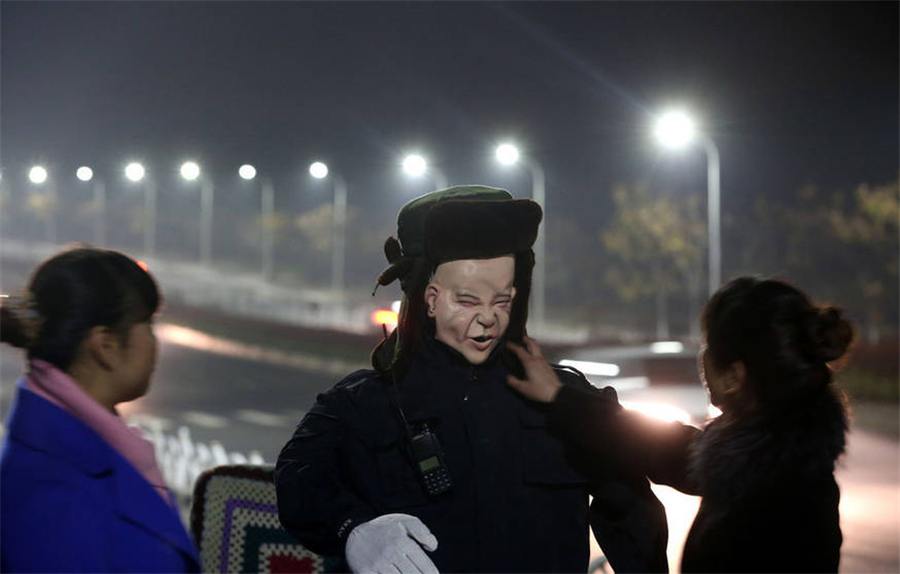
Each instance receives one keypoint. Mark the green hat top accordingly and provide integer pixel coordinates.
(460, 222)
(411, 221)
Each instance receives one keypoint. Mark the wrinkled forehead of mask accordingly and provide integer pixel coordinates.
(477, 277)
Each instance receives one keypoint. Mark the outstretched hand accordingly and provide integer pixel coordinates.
(541, 383)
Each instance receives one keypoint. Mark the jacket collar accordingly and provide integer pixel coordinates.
(43, 426)
(731, 457)
(447, 357)
(439, 374)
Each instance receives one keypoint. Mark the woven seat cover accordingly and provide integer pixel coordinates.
(234, 521)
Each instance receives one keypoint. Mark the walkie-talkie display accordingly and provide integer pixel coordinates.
(429, 459)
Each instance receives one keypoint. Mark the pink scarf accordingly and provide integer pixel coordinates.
(54, 385)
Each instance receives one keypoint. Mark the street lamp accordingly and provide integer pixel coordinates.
(675, 130)
(267, 207)
(135, 172)
(339, 221)
(38, 176)
(190, 171)
(508, 154)
(85, 174)
(415, 165)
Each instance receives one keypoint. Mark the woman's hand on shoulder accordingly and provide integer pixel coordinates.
(541, 383)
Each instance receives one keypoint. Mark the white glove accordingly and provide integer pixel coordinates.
(390, 544)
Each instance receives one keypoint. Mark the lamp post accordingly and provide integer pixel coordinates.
(676, 130)
(38, 176)
(415, 165)
(84, 173)
(135, 172)
(266, 209)
(508, 154)
(339, 222)
(190, 171)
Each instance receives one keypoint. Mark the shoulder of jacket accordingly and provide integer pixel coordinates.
(363, 387)
(358, 379)
(574, 377)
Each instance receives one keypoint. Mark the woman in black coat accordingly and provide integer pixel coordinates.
(765, 467)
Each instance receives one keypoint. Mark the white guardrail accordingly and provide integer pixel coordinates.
(182, 460)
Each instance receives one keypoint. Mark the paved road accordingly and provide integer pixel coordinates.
(250, 400)
(246, 405)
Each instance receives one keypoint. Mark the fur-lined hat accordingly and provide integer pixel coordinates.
(460, 222)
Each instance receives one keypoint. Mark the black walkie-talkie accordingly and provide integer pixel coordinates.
(429, 457)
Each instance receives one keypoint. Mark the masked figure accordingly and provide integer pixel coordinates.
(430, 461)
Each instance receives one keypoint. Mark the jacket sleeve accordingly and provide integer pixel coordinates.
(629, 443)
(316, 501)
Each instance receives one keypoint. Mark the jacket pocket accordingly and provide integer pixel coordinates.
(400, 484)
(545, 460)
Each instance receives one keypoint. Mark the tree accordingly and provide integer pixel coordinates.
(657, 243)
(869, 233)
(842, 247)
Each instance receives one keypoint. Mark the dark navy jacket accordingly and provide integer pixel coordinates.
(519, 503)
(70, 503)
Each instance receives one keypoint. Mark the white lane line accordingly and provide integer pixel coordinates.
(204, 419)
(262, 418)
(149, 421)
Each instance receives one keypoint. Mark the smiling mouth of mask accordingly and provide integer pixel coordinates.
(482, 339)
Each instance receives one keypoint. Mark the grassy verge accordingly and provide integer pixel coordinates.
(874, 399)
(882, 418)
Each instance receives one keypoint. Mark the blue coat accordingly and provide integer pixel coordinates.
(70, 503)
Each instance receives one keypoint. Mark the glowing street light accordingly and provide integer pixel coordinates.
(508, 154)
(318, 170)
(338, 223)
(675, 129)
(190, 171)
(247, 171)
(266, 209)
(135, 172)
(84, 173)
(37, 174)
(415, 165)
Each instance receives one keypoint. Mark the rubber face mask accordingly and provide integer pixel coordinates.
(470, 302)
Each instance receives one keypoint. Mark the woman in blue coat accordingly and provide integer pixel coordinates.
(80, 491)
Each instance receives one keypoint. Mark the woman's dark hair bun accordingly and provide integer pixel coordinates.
(19, 321)
(74, 290)
(831, 334)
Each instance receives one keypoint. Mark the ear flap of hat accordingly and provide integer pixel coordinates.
(392, 355)
(518, 314)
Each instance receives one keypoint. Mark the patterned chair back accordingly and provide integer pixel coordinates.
(234, 522)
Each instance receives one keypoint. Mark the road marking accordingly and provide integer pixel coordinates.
(204, 419)
(262, 418)
(145, 420)
(194, 339)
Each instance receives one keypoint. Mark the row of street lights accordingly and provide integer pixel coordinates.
(673, 129)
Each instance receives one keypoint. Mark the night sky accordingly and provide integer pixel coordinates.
(792, 93)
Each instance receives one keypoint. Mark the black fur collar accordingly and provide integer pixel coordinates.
(731, 458)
